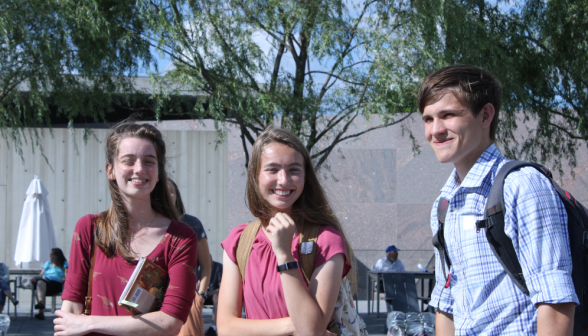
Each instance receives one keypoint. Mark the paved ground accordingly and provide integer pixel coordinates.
(25, 326)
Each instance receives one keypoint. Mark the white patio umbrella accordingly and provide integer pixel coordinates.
(36, 237)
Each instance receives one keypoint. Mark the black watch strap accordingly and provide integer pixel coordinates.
(287, 266)
(203, 294)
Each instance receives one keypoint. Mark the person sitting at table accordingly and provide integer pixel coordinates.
(5, 291)
(390, 263)
(212, 298)
(50, 281)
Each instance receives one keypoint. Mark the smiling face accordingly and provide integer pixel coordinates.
(281, 176)
(135, 168)
(455, 134)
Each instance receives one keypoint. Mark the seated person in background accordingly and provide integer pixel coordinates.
(212, 298)
(5, 287)
(50, 280)
(194, 326)
(390, 262)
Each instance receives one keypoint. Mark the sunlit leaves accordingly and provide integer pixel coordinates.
(65, 58)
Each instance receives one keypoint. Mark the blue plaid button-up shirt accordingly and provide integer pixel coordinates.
(481, 296)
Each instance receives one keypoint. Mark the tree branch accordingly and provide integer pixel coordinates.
(277, 64)
(568, 133)
(345, 52)
(292, 49)
(264, 28)
(336, 76)
(229, 49)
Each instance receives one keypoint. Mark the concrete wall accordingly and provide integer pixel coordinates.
(381, 190)
(77, 182)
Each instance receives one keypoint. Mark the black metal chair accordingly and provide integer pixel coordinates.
(35, 300)
(15, 294)
(400, 291)
(425, 286)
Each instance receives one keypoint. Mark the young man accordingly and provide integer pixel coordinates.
(459, 106)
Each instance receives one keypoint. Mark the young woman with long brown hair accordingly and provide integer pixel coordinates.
(284, 193)
(141, 222)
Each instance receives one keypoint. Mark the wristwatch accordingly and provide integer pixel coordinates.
(203, 294)
(287, 266)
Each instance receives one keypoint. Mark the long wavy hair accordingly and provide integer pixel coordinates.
(112, 227)
(57, 252)
(311, 208)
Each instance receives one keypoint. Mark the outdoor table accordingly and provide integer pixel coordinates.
(19, 272)
(25, 271)
(374, 277)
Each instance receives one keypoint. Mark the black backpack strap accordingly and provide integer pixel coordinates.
(439, 238)
(500, 243)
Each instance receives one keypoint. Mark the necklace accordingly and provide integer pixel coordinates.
(133, 234)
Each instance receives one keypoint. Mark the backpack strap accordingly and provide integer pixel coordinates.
(494, 224)
(439, 238)
(308, 235)
(244, 245)
(88, 298)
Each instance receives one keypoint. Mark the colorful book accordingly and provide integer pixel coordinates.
(145, 289)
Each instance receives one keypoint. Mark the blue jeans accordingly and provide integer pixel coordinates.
(3, 287)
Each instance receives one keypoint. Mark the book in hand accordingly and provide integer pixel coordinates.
(145, 289)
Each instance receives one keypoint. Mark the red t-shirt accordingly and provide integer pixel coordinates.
(263, 295)
(176, 253)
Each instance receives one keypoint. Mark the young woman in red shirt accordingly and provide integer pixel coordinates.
(141, 222)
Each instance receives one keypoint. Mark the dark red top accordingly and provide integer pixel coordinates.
(176, 253)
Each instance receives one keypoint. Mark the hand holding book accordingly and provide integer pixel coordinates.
(145, 289)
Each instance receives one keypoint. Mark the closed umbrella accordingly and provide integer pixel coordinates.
(36, 237)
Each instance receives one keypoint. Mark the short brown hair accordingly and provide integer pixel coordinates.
(472, 86)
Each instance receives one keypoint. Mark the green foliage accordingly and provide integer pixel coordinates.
(64, 58)
(326, 63)
(313, 66)
(331, 61)
(539, 50)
